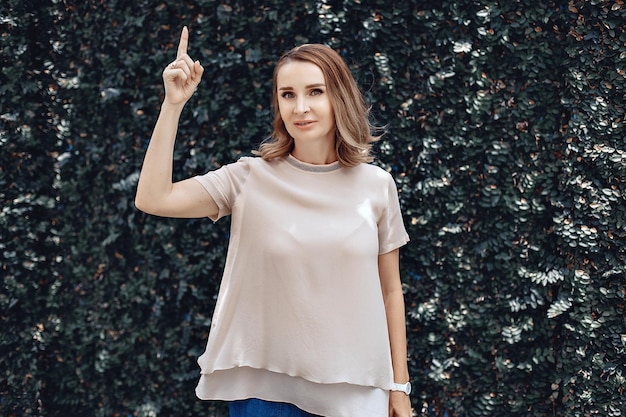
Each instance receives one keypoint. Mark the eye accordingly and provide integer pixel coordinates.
(287, 94)
(317, 92)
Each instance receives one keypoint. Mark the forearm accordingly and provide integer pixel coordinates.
(155, 180)
(396, 322)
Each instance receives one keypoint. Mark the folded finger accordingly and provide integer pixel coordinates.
(186, 59)
(181, 65)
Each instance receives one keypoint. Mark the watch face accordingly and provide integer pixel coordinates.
(408, 388)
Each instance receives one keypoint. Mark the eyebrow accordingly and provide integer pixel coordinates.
(307, 87)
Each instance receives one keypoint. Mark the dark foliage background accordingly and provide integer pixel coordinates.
(506, 136)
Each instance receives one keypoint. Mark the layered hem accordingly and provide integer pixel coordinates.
(330, 400)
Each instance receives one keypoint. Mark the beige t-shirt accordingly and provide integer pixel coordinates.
(300, 305)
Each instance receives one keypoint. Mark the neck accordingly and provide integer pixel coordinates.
(317, 155)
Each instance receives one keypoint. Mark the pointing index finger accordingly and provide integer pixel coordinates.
(184, 41)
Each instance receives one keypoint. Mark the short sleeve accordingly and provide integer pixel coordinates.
(224, 184)
(391, 231)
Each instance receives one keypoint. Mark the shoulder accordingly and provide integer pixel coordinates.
(373, 172)
(378, 180)
(253, 162)
(245, 161)
(245, 164)
(237, 170)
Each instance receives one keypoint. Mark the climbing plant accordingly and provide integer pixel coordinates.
(504, 131)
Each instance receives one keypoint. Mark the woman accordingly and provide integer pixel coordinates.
(310, 315)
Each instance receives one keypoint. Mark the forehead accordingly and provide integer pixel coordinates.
(299, 73)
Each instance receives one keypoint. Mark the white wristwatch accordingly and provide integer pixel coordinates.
(406, 388)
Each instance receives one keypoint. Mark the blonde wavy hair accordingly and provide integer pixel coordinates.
(354, 132)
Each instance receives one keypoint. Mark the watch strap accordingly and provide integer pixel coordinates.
(406, 388)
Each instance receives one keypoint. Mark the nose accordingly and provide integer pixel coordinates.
(302, 106)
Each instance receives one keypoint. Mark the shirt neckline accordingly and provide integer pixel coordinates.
(305, 166)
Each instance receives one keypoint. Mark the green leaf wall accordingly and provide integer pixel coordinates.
(505, 133)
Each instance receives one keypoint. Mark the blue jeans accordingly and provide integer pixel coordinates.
(259, 408)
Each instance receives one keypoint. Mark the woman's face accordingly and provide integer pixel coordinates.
(304, 103)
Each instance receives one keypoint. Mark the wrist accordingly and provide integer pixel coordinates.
(404, 387)
(168, 105)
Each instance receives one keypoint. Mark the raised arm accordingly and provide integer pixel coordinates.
(156, 193)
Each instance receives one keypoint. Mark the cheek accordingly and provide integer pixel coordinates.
(329, 108)
(330, 114)
(283, 110)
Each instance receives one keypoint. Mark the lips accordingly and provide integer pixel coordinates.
(304, 123)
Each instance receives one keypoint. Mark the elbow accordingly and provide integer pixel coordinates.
(144, 199)
(141, 204)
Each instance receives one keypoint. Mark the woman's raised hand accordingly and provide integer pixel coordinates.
(182, 76)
